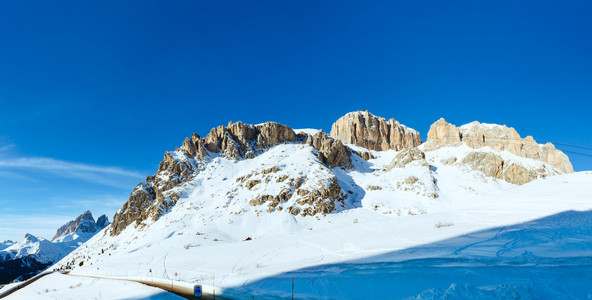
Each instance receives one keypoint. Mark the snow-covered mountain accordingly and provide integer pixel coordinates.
(6, 244)
(33, 254)
(366, 211)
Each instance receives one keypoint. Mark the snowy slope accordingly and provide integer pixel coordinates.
(44, 250)
(6, 244)
(452, 220)
(58, 286)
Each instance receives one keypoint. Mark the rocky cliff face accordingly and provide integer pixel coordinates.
(493, 165)
(374, 133)
(238, 140)
(151, 199)
(85, 223)
(498, 138)
(330, 151)
(102, 222)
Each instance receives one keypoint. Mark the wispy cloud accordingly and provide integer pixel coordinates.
(97, 174)
(15, 175)
(6, 147)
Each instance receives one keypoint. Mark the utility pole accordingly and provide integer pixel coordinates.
(292, 288)
(214, 285)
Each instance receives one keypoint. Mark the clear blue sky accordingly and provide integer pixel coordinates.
(93, 93)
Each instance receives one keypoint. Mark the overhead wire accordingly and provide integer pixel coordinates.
(521, 142)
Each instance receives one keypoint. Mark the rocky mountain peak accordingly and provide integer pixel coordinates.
(444, 133)
(160, 192)
(374, 133)
(497, 137)
(31, 238)
(102, 222)
(239, 140)
(85, 223)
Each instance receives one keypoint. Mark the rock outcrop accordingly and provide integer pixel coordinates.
(154, 197)
(443, 133)
(85, 223)
(407, 156)
(497, 137)
(413, 157)
(374, 133)
(238, 140)
(102, 222)
(319, 197)
(331, 152)
(490, 164)
(493, 165)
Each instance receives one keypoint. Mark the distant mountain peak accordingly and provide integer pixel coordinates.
(85, 223)
(31, 237)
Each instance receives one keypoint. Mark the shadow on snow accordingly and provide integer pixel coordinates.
(548, 258)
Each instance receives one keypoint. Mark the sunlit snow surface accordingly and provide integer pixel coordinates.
(481, 238)
(58, 286)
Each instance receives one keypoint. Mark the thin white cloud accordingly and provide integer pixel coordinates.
(97, 174)
(6, 147)
(50, 164)
(15, 175)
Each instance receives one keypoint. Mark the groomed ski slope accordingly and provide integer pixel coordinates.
(480, 238)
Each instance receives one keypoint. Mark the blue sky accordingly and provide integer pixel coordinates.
(93, 93)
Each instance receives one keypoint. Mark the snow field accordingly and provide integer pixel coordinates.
(379, 244)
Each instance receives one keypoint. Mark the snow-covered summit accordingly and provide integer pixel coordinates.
(6, 244)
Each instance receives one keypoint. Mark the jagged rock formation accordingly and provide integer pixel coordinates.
(238, 140)
(150, 199)
(85, 223)
(102, 222)
(493, 165)
(498, 138)
(330, 151)
(374, 133)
